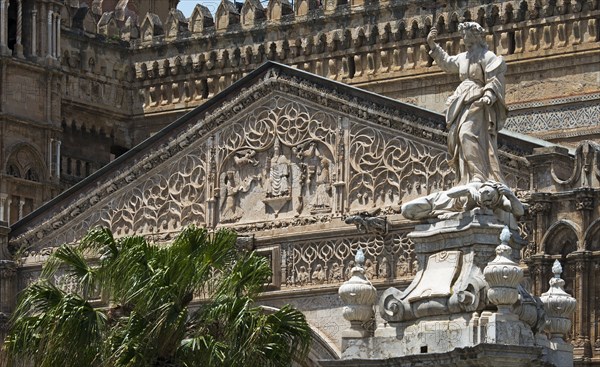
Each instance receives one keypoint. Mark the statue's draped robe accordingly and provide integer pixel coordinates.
(473, 128)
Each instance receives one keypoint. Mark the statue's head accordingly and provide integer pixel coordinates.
(488, 195)
(473, 34)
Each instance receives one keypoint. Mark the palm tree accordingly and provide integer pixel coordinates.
(148, 316)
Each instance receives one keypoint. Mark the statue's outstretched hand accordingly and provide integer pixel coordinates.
(432, 36)
(485, 100)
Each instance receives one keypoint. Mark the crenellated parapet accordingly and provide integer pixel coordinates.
(181, 62)
(357, 53)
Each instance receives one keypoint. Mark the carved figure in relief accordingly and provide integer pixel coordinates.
(245, 156)
(370, 271)
(491, 195)
(336, 274)
(476, 110)
(319, 276)
(302, 276)
(383, 268)
(322, 198)
(367, 223)
(349, 269)
(402, 268)
(415, 267)
(278, 179)
(230, 188)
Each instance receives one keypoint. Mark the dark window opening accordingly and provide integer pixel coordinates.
(117, 150)
(12, 24)
(511, 43)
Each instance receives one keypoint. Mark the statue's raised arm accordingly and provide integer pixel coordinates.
(476, 110)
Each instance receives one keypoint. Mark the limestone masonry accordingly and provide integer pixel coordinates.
(308, 126)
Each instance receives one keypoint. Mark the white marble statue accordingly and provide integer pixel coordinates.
(476, 110)
(491, 195)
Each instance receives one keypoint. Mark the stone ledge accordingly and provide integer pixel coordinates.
(482, 355)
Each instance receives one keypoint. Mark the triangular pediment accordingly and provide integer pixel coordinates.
(279, 148)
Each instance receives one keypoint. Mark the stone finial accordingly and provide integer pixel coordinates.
(358, 295)
(201, 19)
(252, 13)
(108, 25)
(130, 30)
(276, 9)
(176, 24)
(559, 306)
(503, 276)
(227, 14)
(151, 27)
(359, 258)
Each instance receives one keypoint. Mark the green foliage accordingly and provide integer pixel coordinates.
(152, 318)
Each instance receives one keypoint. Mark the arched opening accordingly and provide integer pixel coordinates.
(12, 23)
(559, 242)
(24, 162)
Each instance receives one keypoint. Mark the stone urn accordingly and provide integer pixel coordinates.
(503, 276)
(559, 306)
(359, 296)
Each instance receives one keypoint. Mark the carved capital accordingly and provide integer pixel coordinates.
(584, 203)
(8, 270)
(4, 323)
(540, 207)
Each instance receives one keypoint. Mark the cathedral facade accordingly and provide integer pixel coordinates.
(200, 121)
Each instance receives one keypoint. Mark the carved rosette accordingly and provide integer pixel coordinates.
(358, 295)
(559, 306)
(503, 276)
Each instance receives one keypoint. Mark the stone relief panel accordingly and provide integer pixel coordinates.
(277, 162)
(163, 201)
(387, 169)
(330, 261)
(276, 156)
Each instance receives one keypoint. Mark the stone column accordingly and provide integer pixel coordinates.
(57, 35)
(582, 316)
(8, 276)
(21, 205)
(54, 35)
(4, 27)
(34, 32)
(2, 207)
(50, 34)
(50, 157)
(9, 203)
(58, 142)
(19, 44)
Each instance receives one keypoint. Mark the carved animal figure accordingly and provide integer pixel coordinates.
(368, 224)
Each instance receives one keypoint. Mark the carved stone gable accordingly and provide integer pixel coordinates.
(282, 150)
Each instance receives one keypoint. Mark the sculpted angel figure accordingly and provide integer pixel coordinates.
(476, 110)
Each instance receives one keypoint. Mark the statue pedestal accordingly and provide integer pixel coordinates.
(446, 311)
